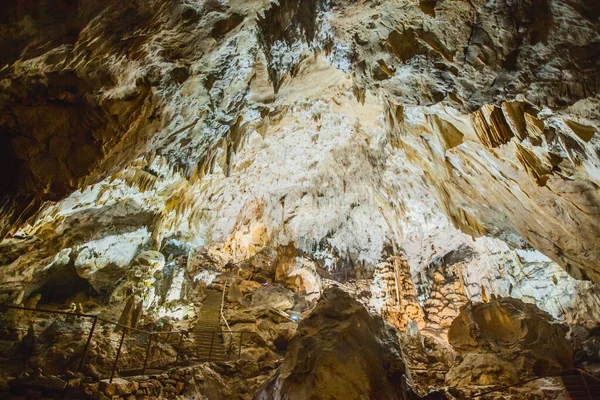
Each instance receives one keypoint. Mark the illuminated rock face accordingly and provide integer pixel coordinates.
(394, 295)
(514, 331)
(339, 351)
(304, 140)
(198, 83)
(510, 172)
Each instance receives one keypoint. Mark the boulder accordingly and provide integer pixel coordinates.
(517, 332)
(118, 387)
(482, 369)
(205, 383)
(273, 296)
(339, 352)
(237, 316)
(297, 273)
(283, 333)
(247, 286)
(258, 354)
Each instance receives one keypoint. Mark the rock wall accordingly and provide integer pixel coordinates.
(461, 134)
(530, 190)
(339, 351)
(513, 331)
(195, 83)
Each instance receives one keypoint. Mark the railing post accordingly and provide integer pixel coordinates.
(179, 346)
(212, 340)
(587, 389)
(114, 368)
(87, 345)
(221, 311)
(147, 353)
(240, 349)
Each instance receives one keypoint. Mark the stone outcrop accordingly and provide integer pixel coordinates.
(482, 369)
(339, 351)
(514, 332)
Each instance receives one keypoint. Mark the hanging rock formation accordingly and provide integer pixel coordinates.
(420, 155)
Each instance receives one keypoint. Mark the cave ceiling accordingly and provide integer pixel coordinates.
(350, 129)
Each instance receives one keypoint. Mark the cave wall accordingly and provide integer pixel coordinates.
(343, 128)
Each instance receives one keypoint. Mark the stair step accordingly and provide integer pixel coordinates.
(580, 387)
(207, 331)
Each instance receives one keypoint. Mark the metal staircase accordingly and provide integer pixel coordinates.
(581, 386)
(206, 339)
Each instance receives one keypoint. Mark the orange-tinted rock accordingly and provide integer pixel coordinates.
(339, 351)
(516, 332)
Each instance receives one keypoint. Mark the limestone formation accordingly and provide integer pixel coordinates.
(445, 297)
(140, 277)
(421, 156)
(394, 295)
(339, 351)
(514, 331)
(482, 369)
(273, 296)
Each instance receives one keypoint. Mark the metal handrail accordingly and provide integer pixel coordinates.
(222, 303)
(126, 329)
(582, 372)
(92, 316)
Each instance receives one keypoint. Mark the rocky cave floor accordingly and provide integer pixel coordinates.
(300, 199)
(306, 333)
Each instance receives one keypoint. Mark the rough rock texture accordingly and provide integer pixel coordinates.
(529, 190)
(481, 369)
(514, 331)
(217, 162)
(515, 170)
(194, 83)
(497, 104)
(304, 143)
(445, 297)
(238, 380)
(470, 53)
(339, 351)
(393, 294)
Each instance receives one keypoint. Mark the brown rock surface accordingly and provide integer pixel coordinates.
(339, 351)
(394, 295)
(481, 369)
(495, 104)
(291, 139)
(514, 331)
